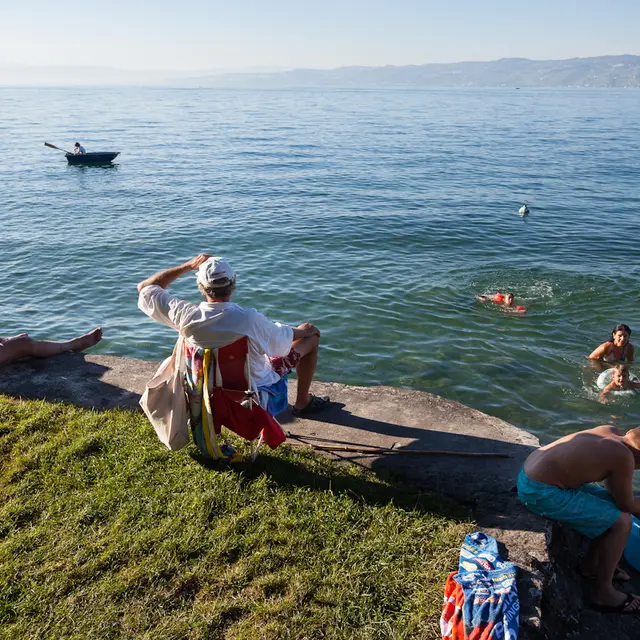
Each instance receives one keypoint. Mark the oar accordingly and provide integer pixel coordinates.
(53, 146)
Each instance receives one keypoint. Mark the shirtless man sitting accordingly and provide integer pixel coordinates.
(555, 482)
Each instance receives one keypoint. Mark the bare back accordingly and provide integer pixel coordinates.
(587, 456)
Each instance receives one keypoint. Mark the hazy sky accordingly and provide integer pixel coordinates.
(204, 34)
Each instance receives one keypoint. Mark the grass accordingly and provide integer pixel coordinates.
(105, 534)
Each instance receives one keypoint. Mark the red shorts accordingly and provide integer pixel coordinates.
(285, 365)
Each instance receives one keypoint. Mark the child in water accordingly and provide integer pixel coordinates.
(504, 300)
(619, 382)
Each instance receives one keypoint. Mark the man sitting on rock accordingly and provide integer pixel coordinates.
(556, 482)
(274, 349)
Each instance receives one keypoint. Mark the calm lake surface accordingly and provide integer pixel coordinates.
(374, 214)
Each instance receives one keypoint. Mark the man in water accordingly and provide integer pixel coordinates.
(556, 482)
(274, 349)
(78, 149)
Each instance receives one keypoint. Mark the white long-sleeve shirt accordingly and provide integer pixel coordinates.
(211, 325)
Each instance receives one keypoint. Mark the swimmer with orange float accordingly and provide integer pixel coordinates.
(504, 300)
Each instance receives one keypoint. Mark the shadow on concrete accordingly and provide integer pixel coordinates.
(337, 414)
(69, 377)
(90, 382)
(466, 469)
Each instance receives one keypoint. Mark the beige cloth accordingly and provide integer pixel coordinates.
(164, 401)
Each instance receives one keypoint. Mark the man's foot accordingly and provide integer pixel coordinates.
(88, 340)
(630, 604)
(315, 405)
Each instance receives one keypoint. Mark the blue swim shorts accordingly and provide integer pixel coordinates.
(275, 397)
(590, 510)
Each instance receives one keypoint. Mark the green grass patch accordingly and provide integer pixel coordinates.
(106, 534)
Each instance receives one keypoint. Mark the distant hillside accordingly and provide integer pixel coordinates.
(603, 71)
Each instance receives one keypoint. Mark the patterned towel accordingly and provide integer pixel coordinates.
(451, 622)
(488, 607)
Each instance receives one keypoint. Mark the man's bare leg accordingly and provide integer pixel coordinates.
(608, 549)
(308, 350)
(23, 346)
(589, 566)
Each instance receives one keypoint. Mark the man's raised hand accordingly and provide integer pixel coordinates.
(194, 263)
(310, 329)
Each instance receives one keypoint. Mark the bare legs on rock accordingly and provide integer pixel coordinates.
(23, 346)
(308, 350)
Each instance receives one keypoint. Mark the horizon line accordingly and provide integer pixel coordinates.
(275, 69)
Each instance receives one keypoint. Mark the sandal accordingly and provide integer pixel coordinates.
(316, 404)
(630, 605)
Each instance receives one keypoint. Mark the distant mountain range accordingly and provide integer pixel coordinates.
(602, 71)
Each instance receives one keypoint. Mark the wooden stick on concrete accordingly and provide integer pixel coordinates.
(383, 450)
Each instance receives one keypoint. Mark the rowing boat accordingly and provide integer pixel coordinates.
(96, 157)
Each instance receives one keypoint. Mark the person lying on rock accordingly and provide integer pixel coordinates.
(556, 481)
(23, 346)
(274, 349)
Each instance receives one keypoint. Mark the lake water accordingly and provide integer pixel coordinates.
(374, 214)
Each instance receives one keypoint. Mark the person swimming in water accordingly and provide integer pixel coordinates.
(504, 300)
(619, 382)
(616, 350)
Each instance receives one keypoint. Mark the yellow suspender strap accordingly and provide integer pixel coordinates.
(208, 429)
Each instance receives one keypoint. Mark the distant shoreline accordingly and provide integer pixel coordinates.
(108, 87)
(607, 72)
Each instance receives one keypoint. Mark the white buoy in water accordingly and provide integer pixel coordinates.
(524, 210)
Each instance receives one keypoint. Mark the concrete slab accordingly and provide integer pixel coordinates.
(387, 417)
(100, 382)
(413, 420)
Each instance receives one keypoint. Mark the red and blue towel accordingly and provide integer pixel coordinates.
(481, 599)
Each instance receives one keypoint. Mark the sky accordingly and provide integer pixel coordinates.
(195, 35)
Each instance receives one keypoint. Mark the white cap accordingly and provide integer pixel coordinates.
(216, 272)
